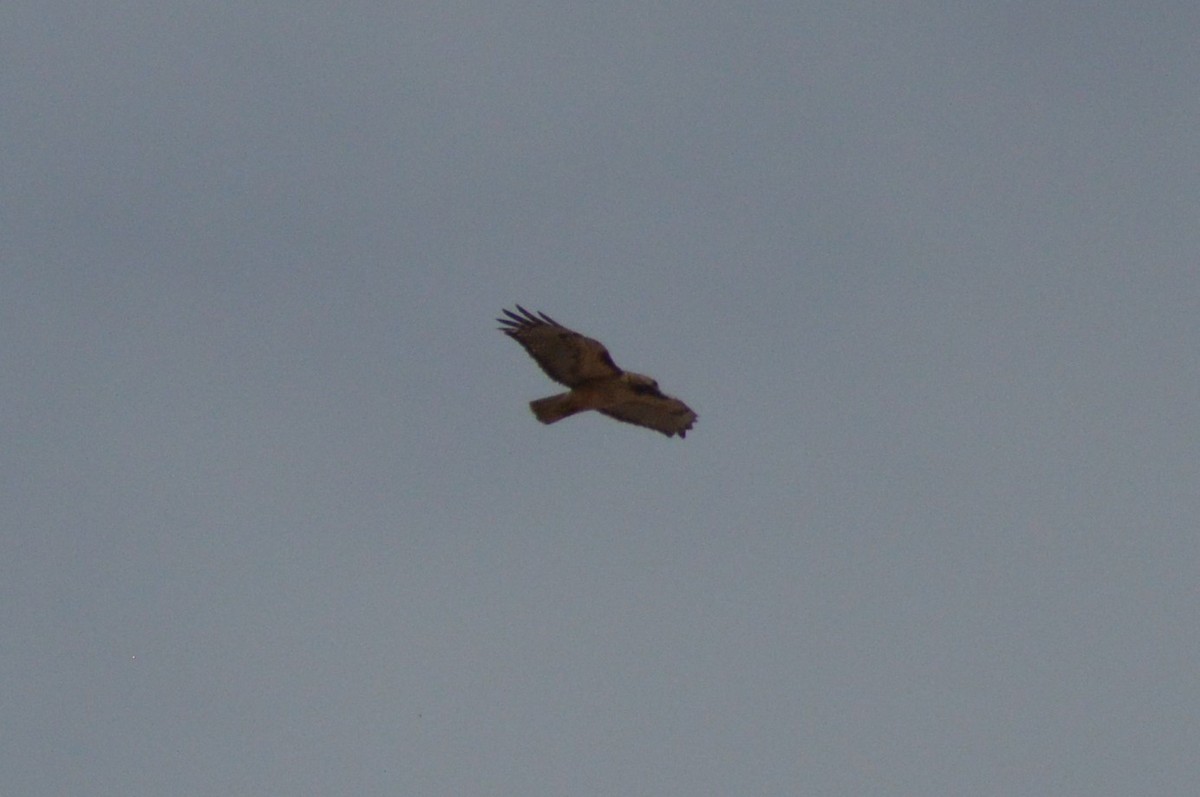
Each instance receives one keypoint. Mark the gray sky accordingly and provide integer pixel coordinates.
(277, 518)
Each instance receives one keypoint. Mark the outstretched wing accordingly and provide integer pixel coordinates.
(646, 406)
(566, 356)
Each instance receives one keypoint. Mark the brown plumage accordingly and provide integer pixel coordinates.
(596, 383)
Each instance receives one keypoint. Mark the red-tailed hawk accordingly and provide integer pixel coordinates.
(596, 382)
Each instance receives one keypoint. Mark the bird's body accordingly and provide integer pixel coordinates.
(596, 383)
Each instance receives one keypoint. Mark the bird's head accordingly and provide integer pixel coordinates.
(641, 383)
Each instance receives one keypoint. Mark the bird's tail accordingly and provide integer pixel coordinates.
(554, 408)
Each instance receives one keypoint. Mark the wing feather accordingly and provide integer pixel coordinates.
(654, 410)
(566, 356)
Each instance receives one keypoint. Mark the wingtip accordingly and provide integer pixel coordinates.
(524, 317)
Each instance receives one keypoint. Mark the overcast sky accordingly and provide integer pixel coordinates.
(276, 517)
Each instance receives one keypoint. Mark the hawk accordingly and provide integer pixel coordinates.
(596, 383)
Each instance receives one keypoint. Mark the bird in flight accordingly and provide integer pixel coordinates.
(596, 383)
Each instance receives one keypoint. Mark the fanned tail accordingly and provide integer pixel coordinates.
(554, 408)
